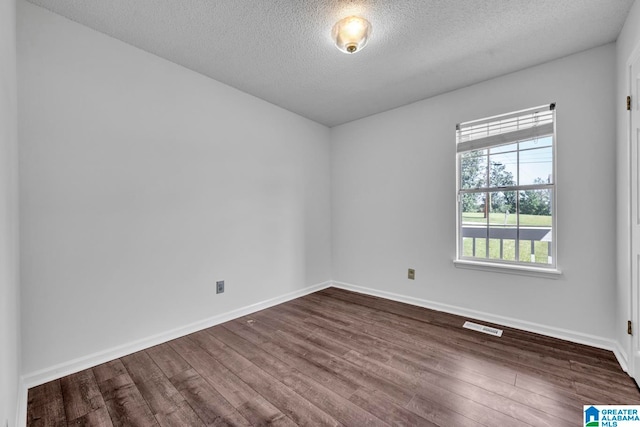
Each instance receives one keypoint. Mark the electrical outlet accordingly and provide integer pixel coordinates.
(220, 287)
(412, 274)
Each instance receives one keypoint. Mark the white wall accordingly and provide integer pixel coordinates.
(628, 40)
(393, 198)
(9, 290)
(142, 183)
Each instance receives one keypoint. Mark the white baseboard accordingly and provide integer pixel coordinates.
(54, 372)
(42, 376)
(621, 354)
(551, 331)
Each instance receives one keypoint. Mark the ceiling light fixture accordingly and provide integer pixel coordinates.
(351, 33)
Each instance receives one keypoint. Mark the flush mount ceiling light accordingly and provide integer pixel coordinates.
(351, 33)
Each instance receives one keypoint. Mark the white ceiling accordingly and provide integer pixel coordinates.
(281, 50)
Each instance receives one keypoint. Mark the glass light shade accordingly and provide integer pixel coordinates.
(351, 34)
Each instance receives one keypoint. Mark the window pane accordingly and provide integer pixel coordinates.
(474, 225)
(473, 169)
(536, 166)
(503, 207)
(502, 225)
(535, 226)
(473, 208)
(503, 169)
(535, 208)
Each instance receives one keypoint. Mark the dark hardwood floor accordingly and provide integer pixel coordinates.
(340, 358)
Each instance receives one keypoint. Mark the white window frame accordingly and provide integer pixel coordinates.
(495, 134)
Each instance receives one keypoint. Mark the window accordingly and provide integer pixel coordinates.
(506, 189)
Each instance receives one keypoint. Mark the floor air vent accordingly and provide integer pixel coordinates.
(484, 329)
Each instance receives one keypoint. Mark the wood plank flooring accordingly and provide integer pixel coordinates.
(340, 358)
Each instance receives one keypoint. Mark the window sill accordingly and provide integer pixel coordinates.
(522, 270)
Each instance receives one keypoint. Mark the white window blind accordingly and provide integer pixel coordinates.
(499, 130)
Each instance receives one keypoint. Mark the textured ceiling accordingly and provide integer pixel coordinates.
(281, 50)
